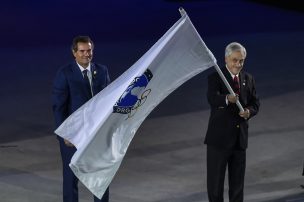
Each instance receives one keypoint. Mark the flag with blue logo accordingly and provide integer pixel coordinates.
(103, 128)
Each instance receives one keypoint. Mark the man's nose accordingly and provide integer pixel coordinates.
(238, 64)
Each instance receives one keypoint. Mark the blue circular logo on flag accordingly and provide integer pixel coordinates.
(132, 97)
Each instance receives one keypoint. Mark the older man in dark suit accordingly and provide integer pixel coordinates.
(73, 86)
(227, 134)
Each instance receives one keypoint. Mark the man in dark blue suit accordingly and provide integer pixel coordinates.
(73, 86)
(227, 134)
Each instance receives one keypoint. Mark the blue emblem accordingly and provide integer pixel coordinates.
(135, 95)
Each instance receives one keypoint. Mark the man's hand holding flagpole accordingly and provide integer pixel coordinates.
(219, 71)
(183, 12)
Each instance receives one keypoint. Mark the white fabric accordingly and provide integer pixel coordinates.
(102, 136)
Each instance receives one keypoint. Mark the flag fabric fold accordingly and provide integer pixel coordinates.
(103, 128)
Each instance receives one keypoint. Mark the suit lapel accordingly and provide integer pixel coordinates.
(242, 85)
(228, 77)
(77, 74)
(79, 79)
(93, 71)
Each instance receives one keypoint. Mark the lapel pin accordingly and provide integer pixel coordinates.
(94, 73)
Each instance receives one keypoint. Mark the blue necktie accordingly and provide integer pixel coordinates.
(87, 81)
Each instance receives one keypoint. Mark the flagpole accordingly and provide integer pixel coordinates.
(182, 11)
(228, 86)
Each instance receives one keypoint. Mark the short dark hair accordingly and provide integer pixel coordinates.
(81, 39)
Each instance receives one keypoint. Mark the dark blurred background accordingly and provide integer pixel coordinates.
(36, 37)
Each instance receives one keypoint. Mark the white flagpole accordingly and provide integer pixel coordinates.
(219, 71)
(183, 12)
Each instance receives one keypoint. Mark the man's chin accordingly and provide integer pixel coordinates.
(86, 61)
(236, 71)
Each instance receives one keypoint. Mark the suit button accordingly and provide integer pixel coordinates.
(237, 126)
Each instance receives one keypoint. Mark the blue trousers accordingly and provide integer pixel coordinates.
(70, 181)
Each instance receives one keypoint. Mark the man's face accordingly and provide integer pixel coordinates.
(84, 53)
(235, 62)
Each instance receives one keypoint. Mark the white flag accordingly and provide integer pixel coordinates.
(103, 128)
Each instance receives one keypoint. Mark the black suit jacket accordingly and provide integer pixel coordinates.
(226, 127)
(69, 89)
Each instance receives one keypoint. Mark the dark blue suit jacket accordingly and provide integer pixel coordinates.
(69, 91)
(225, 125)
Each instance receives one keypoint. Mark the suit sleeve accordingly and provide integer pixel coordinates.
(215, 95)
(254, 102)
(60, 93)
(108, 81)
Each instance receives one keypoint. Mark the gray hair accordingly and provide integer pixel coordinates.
(233, 47)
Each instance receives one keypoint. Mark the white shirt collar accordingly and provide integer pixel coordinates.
(81, 68)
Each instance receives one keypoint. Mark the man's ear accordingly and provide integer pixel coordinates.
(73, 52)
(226, 59)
